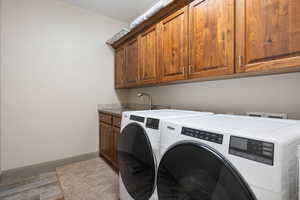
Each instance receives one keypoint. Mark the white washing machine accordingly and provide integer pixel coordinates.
(138, 151)
(226, 157)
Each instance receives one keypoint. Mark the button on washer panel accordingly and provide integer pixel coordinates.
(203, 135)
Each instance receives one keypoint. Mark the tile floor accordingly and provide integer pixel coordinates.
(44, 186)
(88, 180)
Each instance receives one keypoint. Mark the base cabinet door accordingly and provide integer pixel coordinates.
(173, 46)
(268, 35)
(211, 32)
(106, 141)
(132, 63)
(116, 133)
(148, 56)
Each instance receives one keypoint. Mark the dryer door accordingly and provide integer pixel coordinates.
(192, 171)
(136, 162)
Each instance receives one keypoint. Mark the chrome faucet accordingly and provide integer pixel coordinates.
(147, 95)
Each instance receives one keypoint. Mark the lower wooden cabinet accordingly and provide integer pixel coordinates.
(115, 133)
(106, 138)
(108, 134)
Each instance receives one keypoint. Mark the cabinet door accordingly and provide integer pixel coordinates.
(132, 63)
(268, 34)
(116, 132)
(106, 137)
(173, 46)
(148, 56)
(211, 38)
(120, 67)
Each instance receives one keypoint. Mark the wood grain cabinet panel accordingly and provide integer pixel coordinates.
(116, 133)
(173, 46)
(106, 118)
(117, 121)
(120, 68)
(211, 38)
(268, 34)
(148, 56)
(109, 132)
(132, 63)
(106, 141)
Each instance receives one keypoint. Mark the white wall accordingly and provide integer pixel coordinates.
(56, 68)
(275, 93)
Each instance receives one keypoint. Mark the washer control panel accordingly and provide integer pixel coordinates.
(137, 118)
(152, 123)
(255, 150)
(203, 135)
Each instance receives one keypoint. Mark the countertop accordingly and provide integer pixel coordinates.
(119, 109)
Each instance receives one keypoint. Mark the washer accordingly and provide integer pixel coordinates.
(138, 151)
(225, 157)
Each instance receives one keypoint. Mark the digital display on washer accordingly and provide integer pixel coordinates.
(239, 143)
(137, 118)
(152, 123)
(255, 150)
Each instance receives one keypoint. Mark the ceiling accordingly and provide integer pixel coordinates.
(123, 10)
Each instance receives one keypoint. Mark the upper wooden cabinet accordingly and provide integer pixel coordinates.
(147, 42)
(120, 67)
(132, 63)
(211, 38)
(173, 46)
(268, 34)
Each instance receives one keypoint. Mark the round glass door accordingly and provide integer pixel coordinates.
(191, 171)
(136, 162)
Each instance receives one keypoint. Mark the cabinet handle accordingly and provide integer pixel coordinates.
(240, 60)
(183, 70)
(190, 69)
